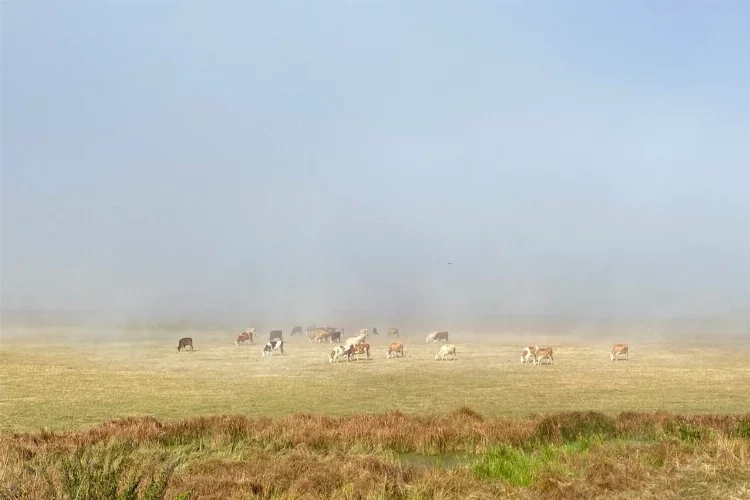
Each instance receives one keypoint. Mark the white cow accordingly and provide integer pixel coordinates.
(359, 339)
(435, 336)
(529, 353)
(446, 351)
(273, 345)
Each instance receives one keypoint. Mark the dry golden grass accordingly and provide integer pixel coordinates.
(61, 383)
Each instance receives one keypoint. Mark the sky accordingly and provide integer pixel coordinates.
(307, 160)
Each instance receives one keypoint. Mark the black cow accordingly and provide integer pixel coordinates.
(296, 330)
(275, 334)
(184, 342)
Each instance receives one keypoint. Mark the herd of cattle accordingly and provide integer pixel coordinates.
(356, 346)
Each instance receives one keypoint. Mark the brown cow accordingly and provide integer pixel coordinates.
(393, 331)
(362, 348)
(184, 343)
(248, 334)
(617, 350)
(395, 348)
(541, 354)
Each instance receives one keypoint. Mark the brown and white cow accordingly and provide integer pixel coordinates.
(541, 354)
(248, 334)
(395, 349)
(435, 336)
(617, 350)
(361, 348)
(275, 335)
(393, 331)
(340, 351)
(528, 353)
(184, 343)
(445, 352)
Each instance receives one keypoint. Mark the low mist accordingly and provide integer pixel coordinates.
(483, 167)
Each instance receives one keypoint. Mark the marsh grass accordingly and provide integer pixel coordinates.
(314, 456)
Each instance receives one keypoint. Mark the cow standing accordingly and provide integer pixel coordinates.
(393, 331)
(529, 353)
(273, 345)
(275, 335)
(363, 349)
(297, 330)
(395, 349)
(184, 343)
(446, 352)
(617, 350)
(355, 340)
(541, 354)
(435, 336)
(375, 330)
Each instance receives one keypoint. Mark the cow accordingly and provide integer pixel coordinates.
(355, 340)
(393, 331)
(364, 332)
(375, 330)
(617, 350)
(336, 336)
(395, 349)
(362, 348)
(184, 343)
(297, 330)
(528, 353)
(273, 345)
(275, 335)
(340, 351)
(541, 354)
(435, 336)
(446, 351)
(248, 334)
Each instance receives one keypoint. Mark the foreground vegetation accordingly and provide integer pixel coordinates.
(392, 455)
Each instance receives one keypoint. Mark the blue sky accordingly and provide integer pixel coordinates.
(585, 158)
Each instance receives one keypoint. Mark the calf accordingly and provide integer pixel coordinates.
(446, 351)
(338, 352)
(617, 350)
(528, 354)
(393, 331)
(184, 343)
(435, 336)
(395, 349)
(275, 335)
(541, 354)
(273, 345)
(362, 348)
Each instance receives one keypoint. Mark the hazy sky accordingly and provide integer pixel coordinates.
(307, 158)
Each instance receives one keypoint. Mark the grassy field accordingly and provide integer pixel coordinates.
(62, 382)
(224, 422)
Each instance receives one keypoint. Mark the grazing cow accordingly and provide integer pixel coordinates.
(363, 349)
(541, 354)
(364, 332)
(297, 330)
(393, 331)
(528, 354)
(435, 336)
(375, 330)
(340, 351)
(355, 340)
(395, 349)
(184, 343)
(446, 351)
(248, 334)
(273, 345)
(275, 335)
(617, 350)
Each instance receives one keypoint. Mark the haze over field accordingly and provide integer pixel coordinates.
(247, 160)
